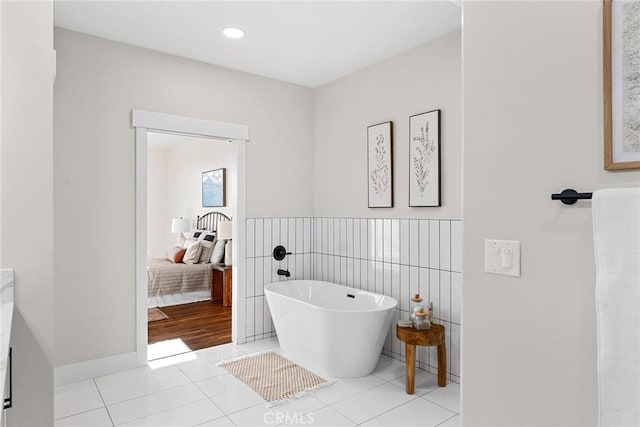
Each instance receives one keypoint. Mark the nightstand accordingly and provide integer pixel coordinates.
(222, 283)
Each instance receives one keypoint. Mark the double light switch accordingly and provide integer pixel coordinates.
(502, 257)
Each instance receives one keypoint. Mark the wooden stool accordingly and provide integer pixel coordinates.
(413, 337)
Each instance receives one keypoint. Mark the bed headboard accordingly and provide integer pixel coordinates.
(209, 221)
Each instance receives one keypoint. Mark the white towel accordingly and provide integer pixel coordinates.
(616, 229)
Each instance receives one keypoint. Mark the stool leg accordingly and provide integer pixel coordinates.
(411, 367)
(442, 365)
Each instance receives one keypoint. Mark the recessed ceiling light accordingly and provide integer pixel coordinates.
(233, 33)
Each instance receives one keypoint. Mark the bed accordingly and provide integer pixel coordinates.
(171, 283)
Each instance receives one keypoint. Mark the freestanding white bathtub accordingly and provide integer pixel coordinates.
(332, 329)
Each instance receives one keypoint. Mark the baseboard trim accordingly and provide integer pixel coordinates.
(94, 368)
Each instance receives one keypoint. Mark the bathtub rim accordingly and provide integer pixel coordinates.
(335, 310)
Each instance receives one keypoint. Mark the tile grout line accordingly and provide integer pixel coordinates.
(440, 289)
(369, 259)
(255, 273)
(389, 410)
(170, 409)
(214, 419)
(270, 256)
(130, 382)
(106, 408)
(270, 272)
(354, 395)
(453, 416)
(82, 395)
(151, 394)
(208, 398)
(84, 412)
(436, 403)
(449, 353)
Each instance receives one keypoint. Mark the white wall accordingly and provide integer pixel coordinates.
(175, 190)
(420, 80)
(157, 226)
(532, 126)
(99, 82)
(26, 202)
(185, 165)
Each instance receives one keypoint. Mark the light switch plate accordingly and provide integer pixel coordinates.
(502, 257)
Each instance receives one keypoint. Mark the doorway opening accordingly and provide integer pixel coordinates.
(190, 207)
(190, 197)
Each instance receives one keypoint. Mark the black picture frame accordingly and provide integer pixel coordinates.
(424, 159)
(380, 165)
(214, 188)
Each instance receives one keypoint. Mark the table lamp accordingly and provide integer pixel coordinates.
(180, 225)
(224, 233)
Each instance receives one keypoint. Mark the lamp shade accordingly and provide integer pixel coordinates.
(180, 225)
(224, 230)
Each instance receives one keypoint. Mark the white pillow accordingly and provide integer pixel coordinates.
(192, 255)
(218, 252)
(189, 242)
(207, 250)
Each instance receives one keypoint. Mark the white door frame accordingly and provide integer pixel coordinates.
(144, 121)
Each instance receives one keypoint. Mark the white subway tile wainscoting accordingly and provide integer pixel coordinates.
(264, 234)
(191, 390)
(395, 257)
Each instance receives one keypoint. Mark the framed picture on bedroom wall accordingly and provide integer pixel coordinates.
(621, 60)
(380, 164)
(213, 188)
(424, 159)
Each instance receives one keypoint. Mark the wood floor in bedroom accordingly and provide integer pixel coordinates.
(199, 324)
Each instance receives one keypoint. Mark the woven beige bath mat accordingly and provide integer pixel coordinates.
(273, 377)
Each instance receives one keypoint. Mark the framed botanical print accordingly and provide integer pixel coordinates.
(424, 159)
(621, 78)
(380, 165)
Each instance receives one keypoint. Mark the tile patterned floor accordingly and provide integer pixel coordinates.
(190, 390)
